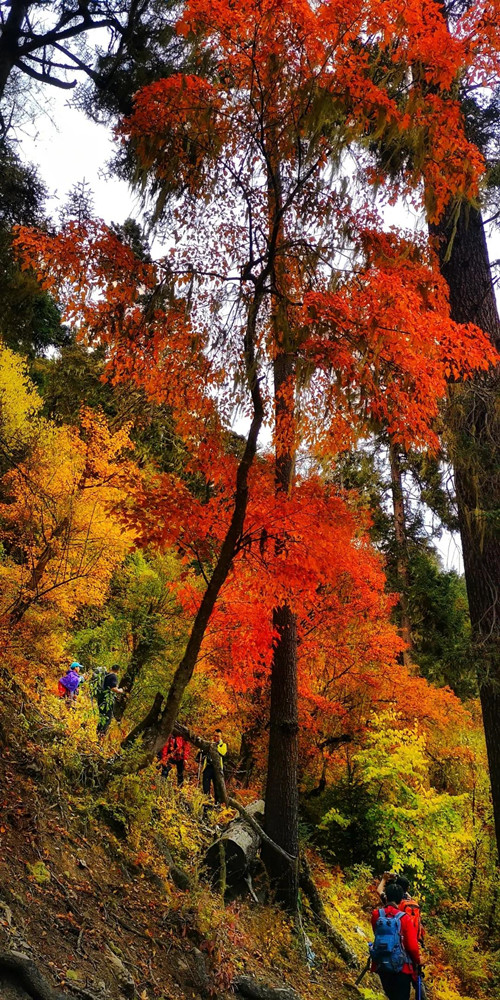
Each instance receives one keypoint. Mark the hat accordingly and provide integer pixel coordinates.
(76, 666)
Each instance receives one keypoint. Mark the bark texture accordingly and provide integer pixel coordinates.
(240, 844)
(282, 796)
(401, 548)
(282, 801)
(474, 432)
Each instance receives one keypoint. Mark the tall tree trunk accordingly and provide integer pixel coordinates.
(9, 41)
(162, 728)
(281, 821)
(474, 431)
(401, 548)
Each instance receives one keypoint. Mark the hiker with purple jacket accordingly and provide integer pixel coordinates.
(68, 685)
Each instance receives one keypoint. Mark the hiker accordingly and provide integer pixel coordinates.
(208, 775)
(105, 700)
(395, 951)
(67, 686)
(411, 907)
(174, 754)
(96, 682)
(387, 877)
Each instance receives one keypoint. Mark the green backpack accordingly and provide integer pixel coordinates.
(96, 683)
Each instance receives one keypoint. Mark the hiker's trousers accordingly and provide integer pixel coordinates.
(396, 985)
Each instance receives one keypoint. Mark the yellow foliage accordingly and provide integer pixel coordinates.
(19, 400)
(61, 515)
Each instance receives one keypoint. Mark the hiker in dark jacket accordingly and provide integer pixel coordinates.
(397, 985)
(105, 701)
(208, 773)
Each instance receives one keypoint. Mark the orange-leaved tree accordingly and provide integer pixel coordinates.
(279, 297)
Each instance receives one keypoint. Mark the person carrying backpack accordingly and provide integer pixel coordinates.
(395, 951)
(411, 907)
(96, 683)
(67, 686)
(174, 754)
(208, 773)
(105, 701)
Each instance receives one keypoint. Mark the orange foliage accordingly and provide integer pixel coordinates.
(364, 312)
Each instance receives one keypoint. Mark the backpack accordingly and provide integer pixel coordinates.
(96, 683)
(387, 950)
(411, 907)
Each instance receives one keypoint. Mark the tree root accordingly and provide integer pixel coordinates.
(335, 938)
(178, 876)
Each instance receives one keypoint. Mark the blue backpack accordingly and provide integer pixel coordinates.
(387, 950)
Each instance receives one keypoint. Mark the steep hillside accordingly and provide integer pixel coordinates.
(103, 887)
(87, 889)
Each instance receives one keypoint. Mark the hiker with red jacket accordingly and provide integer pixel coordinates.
(410, 906)
(174, 754)
(395, 951)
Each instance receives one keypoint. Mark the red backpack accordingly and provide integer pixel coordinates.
(411, 907)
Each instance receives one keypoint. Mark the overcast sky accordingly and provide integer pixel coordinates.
(68, 147)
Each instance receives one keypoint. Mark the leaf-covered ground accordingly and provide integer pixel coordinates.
(86, 893)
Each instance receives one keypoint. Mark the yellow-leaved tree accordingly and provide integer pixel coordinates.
(60, 492)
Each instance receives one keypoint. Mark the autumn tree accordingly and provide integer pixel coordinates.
(58, 488)
(276, 285)
(460, 241)
(30, 321)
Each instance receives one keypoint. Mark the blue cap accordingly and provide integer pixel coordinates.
(74, 665)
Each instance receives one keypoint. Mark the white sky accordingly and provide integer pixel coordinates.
(67, 148)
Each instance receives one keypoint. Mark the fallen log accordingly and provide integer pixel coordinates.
(240, 843)
(21, 971)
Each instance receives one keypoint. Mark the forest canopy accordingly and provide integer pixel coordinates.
(233, 431)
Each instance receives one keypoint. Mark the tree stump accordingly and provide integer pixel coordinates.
(240, 844)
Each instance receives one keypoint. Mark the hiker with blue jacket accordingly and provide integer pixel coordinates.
(395, 951)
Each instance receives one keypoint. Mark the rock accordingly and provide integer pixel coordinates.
(253, 989)
(20, 979)
(116, 821)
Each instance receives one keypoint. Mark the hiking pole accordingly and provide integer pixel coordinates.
(365, 970)
(418, 984)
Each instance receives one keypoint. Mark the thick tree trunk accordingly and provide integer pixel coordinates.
(474, 431)
(401, 548)
(240, 844)
(282, 799)
(9, 41)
